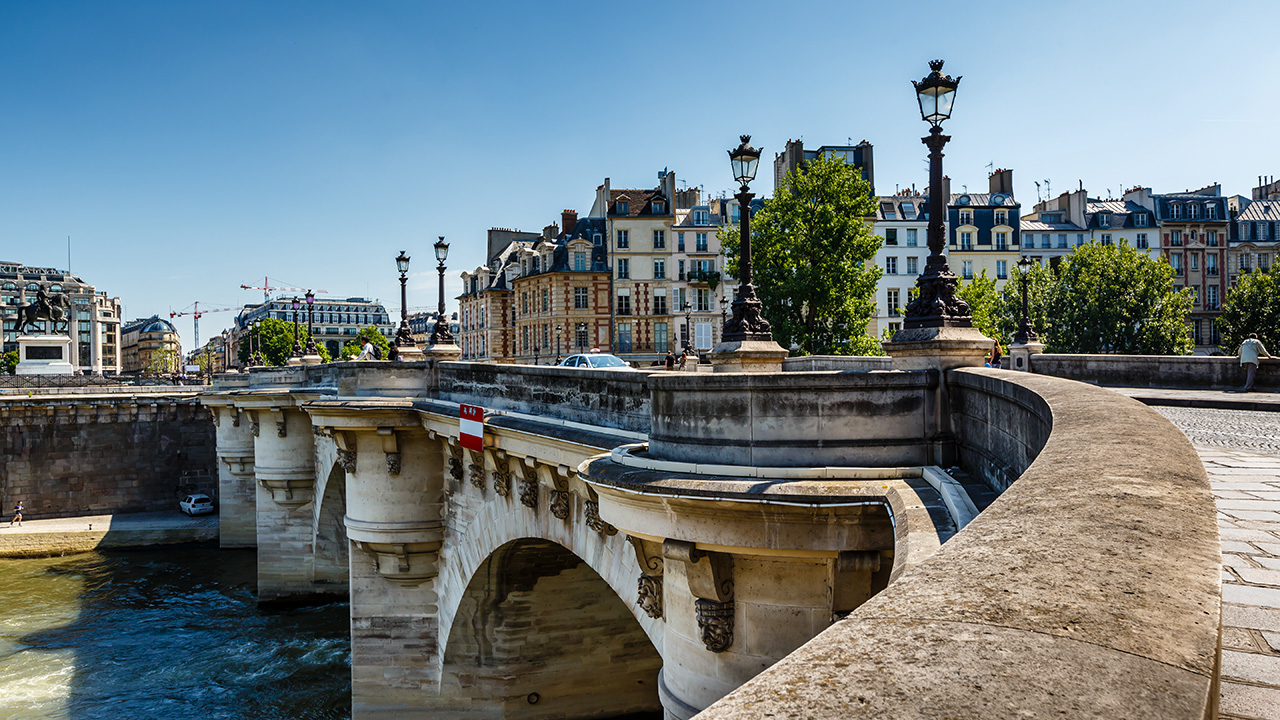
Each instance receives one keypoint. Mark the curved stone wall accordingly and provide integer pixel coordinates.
(1089, 589)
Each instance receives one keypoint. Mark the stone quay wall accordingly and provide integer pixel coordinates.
(1089, 588)
(610, 398)
(1198, 372)
(65, 456)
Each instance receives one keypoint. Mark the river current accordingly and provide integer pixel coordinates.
(163, 634)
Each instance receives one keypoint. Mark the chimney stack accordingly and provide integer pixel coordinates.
(569, 220)
(1002, 181)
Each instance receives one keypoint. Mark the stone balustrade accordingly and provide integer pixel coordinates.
(1089, 589)
(1173, 371)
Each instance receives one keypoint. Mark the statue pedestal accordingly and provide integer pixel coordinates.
(441, 352)
(409, 353)
(44, 355)
(938, 348)
(748, 356)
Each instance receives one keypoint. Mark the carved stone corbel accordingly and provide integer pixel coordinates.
(529, 486)
(502, 474)
(710, 576)
(282, 425)
(235, 417)
(253, 423)
(649, 557)
(455, 460)
(390, 449)
(591, 515)
(346, 450)
(650, 595)
(560, 497)
(476, 469)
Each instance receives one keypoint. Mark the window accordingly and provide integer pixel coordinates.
(967, 269)
(623, 208)
(680, 269)
(1002, 240)
(1176, 209)
(524, 303)
(911, 266)
(891, 304)
(702, 336)
(624, 268)
(596, 238)
(891, 266)
(1002, 217)
(624, 337)
(701, 300)
(1062, 241)
(966, 217)
(1044, 241)
(624, 239)
(580, 261)
(659, 239)
(700, 242)
(1002, 269)
(1212, 238)
(701, 216)
(1079, 239)
(1175, 238)
(1139, 219)
(679, 297)
(1176, 261)
(1211, 297)
(1195, 211)
(546, 305)
(1195, 260)
(1104, 219)
(659, 207)
(891, 236)
(660, 336)
(1211, 210)
(966, 240)
(679, 242)
(1106, 239)
(624, 302)
(524, 338)
(660, 301)
(580, 336)
(1195, 332)
(911, 237)
(895, 327)
(659, 269)
(1143, 243)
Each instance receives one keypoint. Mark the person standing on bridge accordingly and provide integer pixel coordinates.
(1250, 350)
(367, 352)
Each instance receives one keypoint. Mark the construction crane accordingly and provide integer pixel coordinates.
(266, 287)
(197, 312)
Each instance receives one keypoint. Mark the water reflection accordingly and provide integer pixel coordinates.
(172, 633)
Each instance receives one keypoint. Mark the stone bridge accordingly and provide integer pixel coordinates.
(636, 542)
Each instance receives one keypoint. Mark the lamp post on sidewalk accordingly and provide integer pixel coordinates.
(312, 351)
(1025, 332)
(440, 333)
(746, 324)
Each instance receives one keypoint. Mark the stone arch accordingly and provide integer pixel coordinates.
(538, 633)
(500, 521)
(331, 550)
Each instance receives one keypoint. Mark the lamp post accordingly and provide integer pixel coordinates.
(404, 336)
(1025, 333)
(297, 346)
(937, 305)
(688, 317)
(746, 323)
(558, 331)
(312, 351)
(582, 337)
(440, 334)
(535, 346)
(255, 355)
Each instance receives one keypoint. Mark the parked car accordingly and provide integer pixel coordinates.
(196, 505)
(596, 361)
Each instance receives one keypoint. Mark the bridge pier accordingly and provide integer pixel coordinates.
(237, 493)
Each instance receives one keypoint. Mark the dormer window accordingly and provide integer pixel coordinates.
(1002, 217)
(908, 211)
(701, 217)
(622, 208)
(966, 217)
(1211, 211)
(1195, 211)
(1139, 219)
(659, 207)
(1176, 209)
(1104, 219)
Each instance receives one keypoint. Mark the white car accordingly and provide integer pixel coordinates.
(196, 505)
(596, 361)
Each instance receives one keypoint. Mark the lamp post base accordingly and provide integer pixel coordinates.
(1020, 355)
(441, 351)
(294, 360)
(312, 359)
(748, 356)
(938, 348)
(408, 353)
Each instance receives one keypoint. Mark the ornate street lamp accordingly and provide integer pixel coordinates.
(582, 337)
(404, 335)
(440, 334)
(311, 335)
(746, 323)
(255, 355)
(937, 304)
(297, 346)
(558, 331)
(1025, 333)
(688, 317)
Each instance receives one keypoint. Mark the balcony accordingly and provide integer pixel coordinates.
(705, 277)
(1211, 272)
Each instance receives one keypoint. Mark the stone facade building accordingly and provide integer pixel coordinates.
(984, 231)
(335, 320)
(150, 346)
(94, 325)
(903, 222)
(1194, 228)
(1255, 231)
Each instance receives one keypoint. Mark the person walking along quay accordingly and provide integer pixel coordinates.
(1250, 351)
(17, 515)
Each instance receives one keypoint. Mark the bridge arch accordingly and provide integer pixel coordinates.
(331, 561)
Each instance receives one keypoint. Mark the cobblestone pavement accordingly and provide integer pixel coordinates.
(1246, 430)
(1247, 489)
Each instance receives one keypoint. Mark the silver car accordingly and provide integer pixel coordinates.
(596, 361)
(196, 505)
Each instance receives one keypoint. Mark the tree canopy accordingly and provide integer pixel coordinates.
(812, 250)
(277, 342)
(1103, 299)
(374, 335)
(9, 362)
(1252, 306)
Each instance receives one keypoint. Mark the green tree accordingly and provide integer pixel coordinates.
(9, 362)
(374, 335)
(812, 250)
(985, 305)
(1105, 299)
(1252, 306)
(162, 362)
(277, 342)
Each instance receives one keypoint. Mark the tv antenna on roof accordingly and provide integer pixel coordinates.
(991, 167)
(1039, 195)
(1048, 193)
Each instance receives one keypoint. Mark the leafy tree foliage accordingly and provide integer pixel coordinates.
(812, 248)
(9, 362)
(1103, 299)
(1252, 306)
(162, 362)
(986, 305)
(374, 335)
(277, 342)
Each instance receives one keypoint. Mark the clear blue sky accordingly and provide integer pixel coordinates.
(191, 147)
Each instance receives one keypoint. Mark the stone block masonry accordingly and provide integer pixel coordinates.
(65, 456)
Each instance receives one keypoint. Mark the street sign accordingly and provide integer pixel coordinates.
(471, 427)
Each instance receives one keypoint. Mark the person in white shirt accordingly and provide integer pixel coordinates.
(367, 352)
(1250, 350)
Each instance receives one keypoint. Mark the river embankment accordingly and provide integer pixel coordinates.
(65, 536)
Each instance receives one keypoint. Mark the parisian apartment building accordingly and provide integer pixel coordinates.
(94, 324)
(335, 320)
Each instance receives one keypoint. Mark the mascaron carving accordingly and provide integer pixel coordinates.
(476, 469)
(650, 599)
(282, 428)
(591, 516)
(502, 477)
(455, 462)
(529, 488)
(347, 460)
(393, 463)
(253, 427)
(715, 624)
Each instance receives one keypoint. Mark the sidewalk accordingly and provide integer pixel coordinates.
(80, 534)
(1215, 399)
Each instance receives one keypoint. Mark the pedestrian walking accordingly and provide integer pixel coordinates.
(368, 352)
(670, 360)
(683, 358)
(17, 515)
(1250, 350)
(996, 357)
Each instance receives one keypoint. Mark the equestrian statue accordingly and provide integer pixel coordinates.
(55, 309)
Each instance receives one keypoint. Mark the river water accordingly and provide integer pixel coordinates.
(163, 634)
